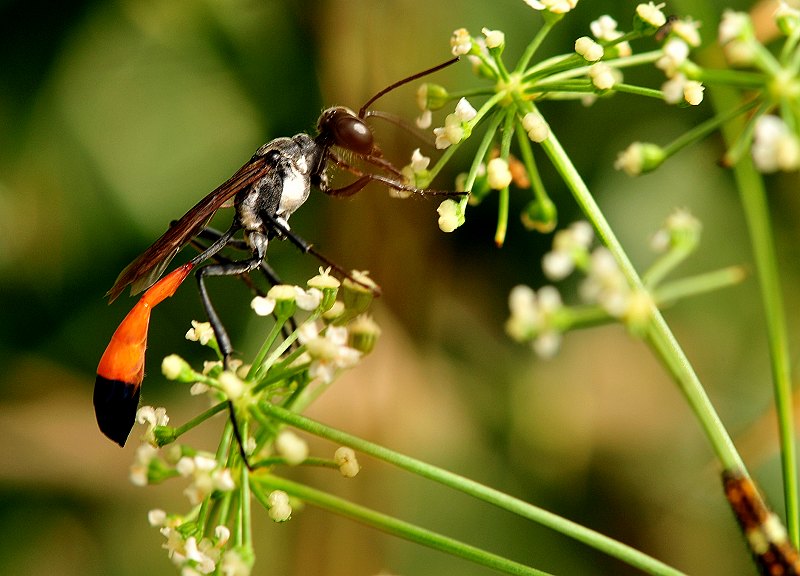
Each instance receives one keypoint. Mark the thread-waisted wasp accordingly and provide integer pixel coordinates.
(265, 192)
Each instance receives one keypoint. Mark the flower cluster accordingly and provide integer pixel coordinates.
(325, 330)
(771, 133)
(510, 111)
(540, 317)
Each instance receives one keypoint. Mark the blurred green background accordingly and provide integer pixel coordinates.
(116, 117)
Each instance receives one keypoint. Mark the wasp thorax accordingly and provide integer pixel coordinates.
(341, 126)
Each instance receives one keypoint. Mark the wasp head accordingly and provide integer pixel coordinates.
(340, 126)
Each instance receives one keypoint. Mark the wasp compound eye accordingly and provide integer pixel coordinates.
(352, 133)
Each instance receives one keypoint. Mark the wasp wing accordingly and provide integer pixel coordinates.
(148, 267)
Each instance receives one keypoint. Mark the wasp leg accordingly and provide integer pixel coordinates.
(232, 268)
(267, 271)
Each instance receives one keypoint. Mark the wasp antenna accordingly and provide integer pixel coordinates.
(399, 83)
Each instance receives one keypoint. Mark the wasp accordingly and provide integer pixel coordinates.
(265, 192)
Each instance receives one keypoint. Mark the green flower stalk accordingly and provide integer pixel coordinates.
(612, 289)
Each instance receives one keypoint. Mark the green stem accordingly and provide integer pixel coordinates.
(200, 418)
(393, 526)
(705, 128)
(495, 497)
(658, 333)
(530, 50)
(756, 212)
(264, 350)
(503, 195)
(702, 283)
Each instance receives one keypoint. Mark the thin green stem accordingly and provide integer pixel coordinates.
(247, 528)
(483, 147)
(658, 334)
(265, 347)
(702, 283)
(526, 152)
(705, 128)
(393, 526)
(200, 418)
(739, 78)
(503, 195)
(756, 212)
(495, 497)
(664, 265)
(531, 48)
(263, 366)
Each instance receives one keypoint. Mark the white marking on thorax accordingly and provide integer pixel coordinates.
(296, 187)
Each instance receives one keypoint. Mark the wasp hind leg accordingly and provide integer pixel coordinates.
(230, 268)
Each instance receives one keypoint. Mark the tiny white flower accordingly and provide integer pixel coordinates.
(232, 564)
(673, 89)
(223, 480)
(603, 76)
(589, 49)
(324, 280)
(547, 344)
(207, 476)
(346, 459)
(293, 448)
(156, 517)
(173, 366)
(231, 385)
(680, 228)
(605, 284)
(209, 365)
(200, 332)
(464, 110)
(198, 389)
(688, 30)
(222, 533)
(532, 318)
(145, 454)
(152, 416)
(494, 38)
(204, 463)
(775, 147)
(308, 299)
(185, 466)
(604, 28)
(498, 174)
(554, 6)
(640, 157)
(570, 246)
(262, 305)
(453, 130)
(651, 14)
(460, 42)
(693, 92)
(675, 52)
(734, 26)
(739, 53)
(422, 98)
(418, 166)
(279, 508)
(419, 162)
(451, 215)
(557, 265)
(536, 126)
(283, 292)
(424, 120)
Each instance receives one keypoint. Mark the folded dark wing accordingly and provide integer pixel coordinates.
(150, 264)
